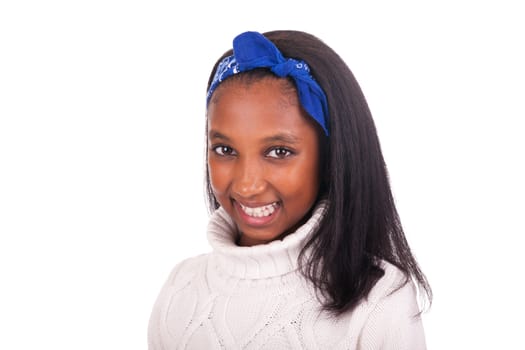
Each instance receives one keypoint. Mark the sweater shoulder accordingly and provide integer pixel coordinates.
(186, 270)
(393, 280)
(393, 318)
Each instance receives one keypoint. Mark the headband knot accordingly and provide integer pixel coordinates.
(253, 50)
(285, 68)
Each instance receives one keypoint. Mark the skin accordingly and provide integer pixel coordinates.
(263, 152)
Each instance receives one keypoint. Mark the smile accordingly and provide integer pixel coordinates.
(260, 212)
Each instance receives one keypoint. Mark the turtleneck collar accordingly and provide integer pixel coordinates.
(272, 259)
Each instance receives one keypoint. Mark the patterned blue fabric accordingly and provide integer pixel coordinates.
(253, 50)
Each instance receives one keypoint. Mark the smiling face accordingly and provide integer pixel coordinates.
(263, 157)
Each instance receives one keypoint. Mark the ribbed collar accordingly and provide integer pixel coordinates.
(261, 261)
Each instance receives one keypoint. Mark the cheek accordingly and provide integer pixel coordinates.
(219, 177)
(300, 181)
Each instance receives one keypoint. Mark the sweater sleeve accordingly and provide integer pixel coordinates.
(154, 336)
(394, 323)
(180, 277)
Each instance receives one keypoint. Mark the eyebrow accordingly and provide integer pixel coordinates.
(280, 137)
(213, 134)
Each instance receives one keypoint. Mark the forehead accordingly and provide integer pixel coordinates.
(257, 107)
(253, 79)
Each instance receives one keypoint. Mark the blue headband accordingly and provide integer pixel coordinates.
(253, 50)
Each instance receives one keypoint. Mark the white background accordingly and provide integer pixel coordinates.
(101, 154)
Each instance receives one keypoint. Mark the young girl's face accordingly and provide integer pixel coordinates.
(263, 157)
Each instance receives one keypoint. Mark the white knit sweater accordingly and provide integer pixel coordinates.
(255, 298)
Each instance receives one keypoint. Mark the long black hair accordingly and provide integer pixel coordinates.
(361, 226)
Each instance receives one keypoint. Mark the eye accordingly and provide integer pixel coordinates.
(279, 152)
(223, 150)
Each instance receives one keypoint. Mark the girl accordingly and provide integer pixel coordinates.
(308, 250)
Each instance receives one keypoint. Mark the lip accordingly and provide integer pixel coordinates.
(255, 221)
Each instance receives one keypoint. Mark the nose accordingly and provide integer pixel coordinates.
(249, 179)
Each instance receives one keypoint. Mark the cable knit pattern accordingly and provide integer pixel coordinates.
(255, 298)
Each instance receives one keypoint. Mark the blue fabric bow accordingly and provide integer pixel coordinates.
(253, 50)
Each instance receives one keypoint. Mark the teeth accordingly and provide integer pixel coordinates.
(259, 212)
